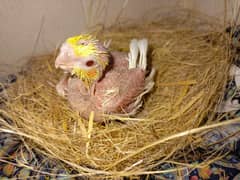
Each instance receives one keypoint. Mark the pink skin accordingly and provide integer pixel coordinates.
(66, 59)
(115, 92)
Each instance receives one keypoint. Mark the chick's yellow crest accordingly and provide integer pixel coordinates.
(83, 45)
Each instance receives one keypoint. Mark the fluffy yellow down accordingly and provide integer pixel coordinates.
(85, 49)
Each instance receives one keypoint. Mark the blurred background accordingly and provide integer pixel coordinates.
(30, 28)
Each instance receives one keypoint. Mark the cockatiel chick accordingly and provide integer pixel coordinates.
(102, 81)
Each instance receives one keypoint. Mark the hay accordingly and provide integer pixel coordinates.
(192, 67)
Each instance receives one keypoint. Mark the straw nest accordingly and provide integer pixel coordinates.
(192, 66)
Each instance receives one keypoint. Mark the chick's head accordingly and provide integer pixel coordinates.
(84, 57)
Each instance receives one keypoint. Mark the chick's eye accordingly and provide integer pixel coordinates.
(90, 63)
(83, 43)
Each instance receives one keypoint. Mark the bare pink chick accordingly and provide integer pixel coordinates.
(102, 81)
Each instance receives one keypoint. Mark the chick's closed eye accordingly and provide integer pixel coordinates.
(82, 42)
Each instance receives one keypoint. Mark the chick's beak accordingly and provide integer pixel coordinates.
(62, 62)
(57, 62)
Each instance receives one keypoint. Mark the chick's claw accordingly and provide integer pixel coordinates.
(62, 86)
